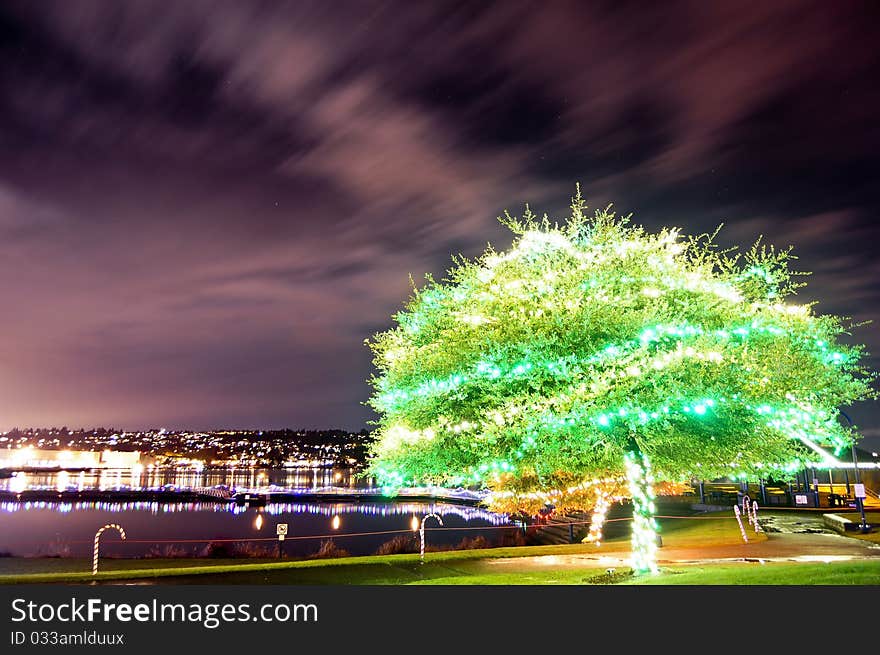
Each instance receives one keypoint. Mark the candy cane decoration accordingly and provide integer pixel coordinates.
(747, 508)
(98, 537)
(755, 514)
(739, 520)
(422, 534)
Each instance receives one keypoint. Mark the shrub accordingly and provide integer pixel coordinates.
(473, 543)
(55, 548)
(217, 549)
(399, 544)
(237, 549)
(512, 537)
(169, 551)
(254, 550)
(329, 550)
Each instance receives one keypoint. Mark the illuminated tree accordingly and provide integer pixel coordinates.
(594, 352)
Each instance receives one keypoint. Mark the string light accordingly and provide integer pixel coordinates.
(553, 358)
(644, 527)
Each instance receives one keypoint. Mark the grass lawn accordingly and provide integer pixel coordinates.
(481, 567)
(373, 569)
(771, 573)
(709, 529)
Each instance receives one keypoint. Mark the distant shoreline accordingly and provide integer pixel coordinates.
(256, 499)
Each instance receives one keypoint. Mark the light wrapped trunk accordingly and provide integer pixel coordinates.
(644, 528)
(597, 519)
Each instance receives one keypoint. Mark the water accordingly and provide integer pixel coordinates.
(67, 529)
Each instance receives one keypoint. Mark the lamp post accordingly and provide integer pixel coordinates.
(859, 502)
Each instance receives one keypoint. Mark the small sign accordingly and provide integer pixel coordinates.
(859, 491)
(800, 499)
(816, 482)
(281, 529)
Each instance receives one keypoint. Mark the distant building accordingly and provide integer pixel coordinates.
(20, 458)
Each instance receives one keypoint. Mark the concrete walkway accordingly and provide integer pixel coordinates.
(790, 538)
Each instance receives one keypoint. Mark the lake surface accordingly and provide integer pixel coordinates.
(67, 529)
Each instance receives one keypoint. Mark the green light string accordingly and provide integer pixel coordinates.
(538, 364)
(620, 355)
(794, 422)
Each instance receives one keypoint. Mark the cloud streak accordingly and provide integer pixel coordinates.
(206, 207)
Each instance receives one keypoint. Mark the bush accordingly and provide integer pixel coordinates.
(169, 552)
(251, 549)
(57, 548)
(399, 544)
(217, 549)
(237, 549)
(512, 537)
(329, 550)
(473, 543)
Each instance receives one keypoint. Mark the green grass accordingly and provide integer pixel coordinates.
(335, 571)
(709, 529)
(745, 573)
(478, 568)
(771, 573)
(485, 566)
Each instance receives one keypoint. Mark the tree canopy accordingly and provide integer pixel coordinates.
(546, 364)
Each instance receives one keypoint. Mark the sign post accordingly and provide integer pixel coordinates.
(281, 531)
(860, 502)
(860, 495)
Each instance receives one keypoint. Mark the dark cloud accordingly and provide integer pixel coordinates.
(205, 207)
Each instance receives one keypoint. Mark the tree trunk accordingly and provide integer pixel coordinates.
(644, 528)
(597, 519)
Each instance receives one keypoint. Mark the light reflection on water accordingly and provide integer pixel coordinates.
(272, 509)
(138, 477)
(44, 528)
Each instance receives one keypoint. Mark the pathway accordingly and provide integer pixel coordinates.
(794, 538)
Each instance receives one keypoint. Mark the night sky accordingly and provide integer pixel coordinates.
(206, 207)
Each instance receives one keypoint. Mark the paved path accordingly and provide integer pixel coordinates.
(793, 538)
